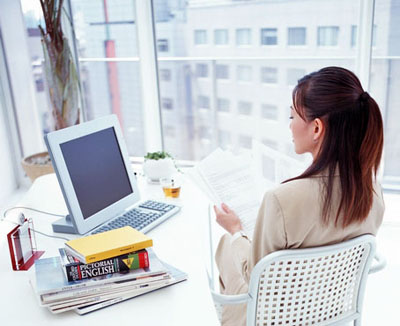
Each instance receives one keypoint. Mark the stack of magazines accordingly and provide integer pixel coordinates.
(99, 270)
(58, 294)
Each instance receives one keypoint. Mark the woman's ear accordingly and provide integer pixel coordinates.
(319, 128)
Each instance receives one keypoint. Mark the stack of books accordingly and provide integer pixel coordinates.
(100, 270)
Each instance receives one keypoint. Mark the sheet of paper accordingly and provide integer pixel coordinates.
(233, 181)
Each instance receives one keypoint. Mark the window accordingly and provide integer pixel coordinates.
(201, 70)
(165, 74)
(328, 35)
(244, 73)
(221, 37)
(204, 132)
(243, 36)
(203, 102)
(169, 131)
(200, 37)
(296, 36)
(353, 40)
(224, 139)
(269, 36)
(162, 45)
(245, 141)
(223, 104)
(167, 103)
(222, 71)
(269, 75)
(245, 107)
(269, 111)
(270, 143)
(293, 75)
(354, 30)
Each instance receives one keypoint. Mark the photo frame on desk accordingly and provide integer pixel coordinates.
(22, 244)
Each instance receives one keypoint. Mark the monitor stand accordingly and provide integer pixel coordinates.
(64, 225)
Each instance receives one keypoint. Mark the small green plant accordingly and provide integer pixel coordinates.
(157, 155)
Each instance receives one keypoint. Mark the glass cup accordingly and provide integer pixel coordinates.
(171, 186)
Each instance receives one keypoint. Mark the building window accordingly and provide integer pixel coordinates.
(244, 73)
(243, 36)
(328, 35)
(269, 75)
(169, 131)
(165, 74)
(293, 75)
(201, 70)
(269, 112)
(245, 141)
(167, 103)
(354, 30)
(200, 37)
(221, 36)
(224, 139)
(204, 132)
(245, 108)
(203, 102)
(270, 143)
(222, 71)
(269, 36)
(223, 104)
(162, 45)
(296, 36)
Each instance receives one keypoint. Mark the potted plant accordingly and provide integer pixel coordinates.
(158, 165)
(61, 79)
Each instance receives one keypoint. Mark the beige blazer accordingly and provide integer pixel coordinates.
(289, 217)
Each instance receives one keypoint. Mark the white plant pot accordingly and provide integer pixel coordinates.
(157, 169)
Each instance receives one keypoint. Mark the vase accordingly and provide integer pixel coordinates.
(158, 169)
(37, 165)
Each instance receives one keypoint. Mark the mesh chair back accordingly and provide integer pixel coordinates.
(316, 286)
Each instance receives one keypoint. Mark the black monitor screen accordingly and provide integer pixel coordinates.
(97, 170)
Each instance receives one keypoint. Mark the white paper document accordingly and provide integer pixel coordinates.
(230, 179)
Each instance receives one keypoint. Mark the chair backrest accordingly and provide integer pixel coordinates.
(314, 286)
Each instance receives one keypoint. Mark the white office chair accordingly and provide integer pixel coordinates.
(314, 286)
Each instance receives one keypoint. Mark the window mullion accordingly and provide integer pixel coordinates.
(364, 37)
(149, 76)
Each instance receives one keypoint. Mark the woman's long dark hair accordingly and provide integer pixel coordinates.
(352, 142)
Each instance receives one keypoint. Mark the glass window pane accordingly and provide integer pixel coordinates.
(107, 31)
(221, 36)
(222, 71)
(203, 102)
(269, 75)
(223, 104)
(201, 70)
(296, 36)
(243, 36)
(269, 36)
(269, 111)
(385, 84)
(200, 37)
(245, 107)
(230, 76)
(328, 35)
(244, 73)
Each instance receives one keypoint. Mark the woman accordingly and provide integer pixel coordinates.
(335, 199)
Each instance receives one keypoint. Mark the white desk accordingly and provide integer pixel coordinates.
(181, 241)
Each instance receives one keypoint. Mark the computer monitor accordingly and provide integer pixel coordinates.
(94, 172)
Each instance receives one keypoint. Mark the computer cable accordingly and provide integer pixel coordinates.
(21, 219)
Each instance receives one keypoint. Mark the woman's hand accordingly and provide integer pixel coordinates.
(228, 219)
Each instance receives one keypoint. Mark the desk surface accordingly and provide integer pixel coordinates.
(181, 241)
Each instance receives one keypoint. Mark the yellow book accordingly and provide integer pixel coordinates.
(108, 244)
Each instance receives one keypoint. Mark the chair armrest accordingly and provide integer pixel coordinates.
(381, 263)
(230, 299)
